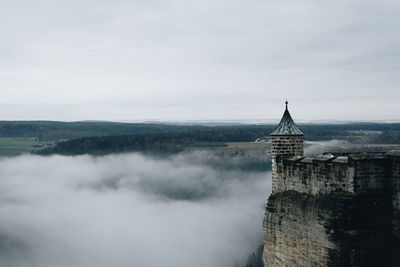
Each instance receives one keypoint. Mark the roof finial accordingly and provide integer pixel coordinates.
(286, 102)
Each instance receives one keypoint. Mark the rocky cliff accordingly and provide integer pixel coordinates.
(335, 211)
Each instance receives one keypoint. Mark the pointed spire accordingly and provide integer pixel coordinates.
(287, 126)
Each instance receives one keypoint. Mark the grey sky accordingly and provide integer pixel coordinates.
(195, 60)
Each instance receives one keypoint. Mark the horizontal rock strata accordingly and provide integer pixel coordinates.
(338, 229)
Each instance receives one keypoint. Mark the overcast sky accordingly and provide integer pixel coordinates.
(199, 60)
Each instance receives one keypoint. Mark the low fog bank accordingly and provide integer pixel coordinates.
(128, 210)
(320, 147)
(341, 146)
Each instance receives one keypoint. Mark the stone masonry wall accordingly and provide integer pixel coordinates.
(283, 147)
(317, 176)
(372, 172)
(355, 173)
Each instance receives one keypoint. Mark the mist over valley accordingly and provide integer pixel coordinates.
(128, 210)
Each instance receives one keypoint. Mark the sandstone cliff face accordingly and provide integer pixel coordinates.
(338, 229)
(395, 166)
(331, 210)
(295, 232)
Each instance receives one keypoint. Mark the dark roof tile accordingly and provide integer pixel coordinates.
(287, 126)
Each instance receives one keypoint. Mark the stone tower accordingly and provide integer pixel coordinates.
(287, 141)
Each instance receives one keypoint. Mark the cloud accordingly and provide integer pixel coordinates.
(319, 147)
(128, 210)
(134, 60)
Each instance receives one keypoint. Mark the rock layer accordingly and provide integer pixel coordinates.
(338, 229)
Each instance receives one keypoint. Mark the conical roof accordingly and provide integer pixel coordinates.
(287, 126)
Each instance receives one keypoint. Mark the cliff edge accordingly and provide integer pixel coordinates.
(334, 210)
(331, 209)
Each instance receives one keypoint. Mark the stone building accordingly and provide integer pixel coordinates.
(332, 209)
(287, 141)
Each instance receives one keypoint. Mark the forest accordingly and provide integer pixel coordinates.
(104, 138)
(57, 130)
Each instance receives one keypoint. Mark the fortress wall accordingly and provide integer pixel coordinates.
(314, 176)
(283, 147)
(372, 172)
(335, 211)
(356, 173)
(290, 145)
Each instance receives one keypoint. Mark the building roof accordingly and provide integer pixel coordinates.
(287, 126)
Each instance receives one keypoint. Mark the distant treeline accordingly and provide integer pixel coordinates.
(50, 130)
(56, 130)
(160, 143)
(169, 141)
